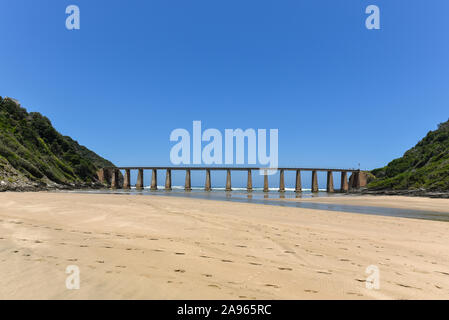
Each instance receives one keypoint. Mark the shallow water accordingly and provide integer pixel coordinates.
(275, 198)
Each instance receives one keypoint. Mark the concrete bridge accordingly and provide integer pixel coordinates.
(111, 175)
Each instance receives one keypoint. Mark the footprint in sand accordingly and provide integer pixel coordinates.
(255, 264)
(84, 246)
(72, 260)
(285, 269)
(123, 267)
(180, 270)
(229, 261)
(214, 286)
(180, 253)
(310, 291)
(241, 246)
(324, 272)
(207, 275)
(99, 261)
(272, 286)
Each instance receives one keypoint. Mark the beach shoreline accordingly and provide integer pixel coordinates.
(158, 247)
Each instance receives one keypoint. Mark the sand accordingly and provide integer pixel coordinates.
(155, 247)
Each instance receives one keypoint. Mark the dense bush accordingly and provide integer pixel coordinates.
(32, 146)
(424, 166)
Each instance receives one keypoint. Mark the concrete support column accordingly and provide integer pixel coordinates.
(360, 179)
(330, 182)
(127, 180)
(314, 181)
(139, 184)
(228, 181)
(249, 183)
(168, 180)
(344, 182)
(114, 179)
(265, 181)
(208, 186)
(154, 180)
(188, 184)
(298, 187)
(281, 181)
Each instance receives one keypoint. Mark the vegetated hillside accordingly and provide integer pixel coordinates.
(425, 166)
(33, 153)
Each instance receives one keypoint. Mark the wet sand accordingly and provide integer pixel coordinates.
(156, 247)
(399, 202)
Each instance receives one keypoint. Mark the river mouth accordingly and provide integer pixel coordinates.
(280, 199)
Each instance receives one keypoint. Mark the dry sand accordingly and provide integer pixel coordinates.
(154, 247)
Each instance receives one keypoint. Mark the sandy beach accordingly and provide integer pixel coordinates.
(155, 247)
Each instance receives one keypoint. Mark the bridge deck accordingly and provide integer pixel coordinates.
(234, 168)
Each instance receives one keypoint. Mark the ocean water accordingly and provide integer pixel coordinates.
(276, 198)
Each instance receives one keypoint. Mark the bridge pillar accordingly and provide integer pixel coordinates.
(298, 187)
(188, 184)
(168, 180)
(314, 181)
(249, 182)
(114, 179)
(127, 180)
(139, 183)
(228, 180)
(330, 182)
(154, 180)
(208, 186)
(265, 182)
(281, 181)
(344, 187)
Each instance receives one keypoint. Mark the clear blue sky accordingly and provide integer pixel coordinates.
(338, 93)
